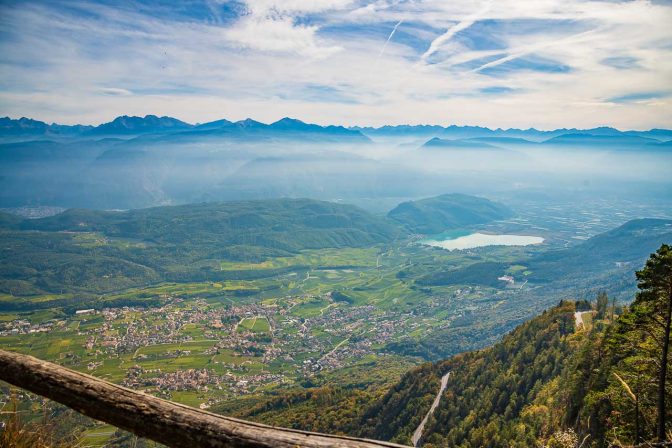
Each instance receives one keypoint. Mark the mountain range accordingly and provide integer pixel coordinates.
(130, 126)
(134, 162)
(454, 132)
(133, 126)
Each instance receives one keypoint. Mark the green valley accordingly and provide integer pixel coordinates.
(332, 307)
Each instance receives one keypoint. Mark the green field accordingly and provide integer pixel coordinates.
(255, 324)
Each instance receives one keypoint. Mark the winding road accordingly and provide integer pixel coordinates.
(418, 432)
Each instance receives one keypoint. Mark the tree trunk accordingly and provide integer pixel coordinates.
(171, 424)
(638, 435)
(663, 370)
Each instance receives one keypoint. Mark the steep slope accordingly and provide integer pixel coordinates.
(486, 391)
(564, 375)
(448, 211)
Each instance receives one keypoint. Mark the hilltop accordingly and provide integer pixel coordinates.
(448, 211)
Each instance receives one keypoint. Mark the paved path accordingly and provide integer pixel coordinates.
(418, 432)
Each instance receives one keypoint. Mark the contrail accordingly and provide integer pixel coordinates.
(445, 37)
(524, 51)
(389, 38)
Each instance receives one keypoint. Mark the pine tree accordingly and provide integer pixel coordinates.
(602, 304)
(653, 307)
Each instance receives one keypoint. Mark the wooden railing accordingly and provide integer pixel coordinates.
(169, 423)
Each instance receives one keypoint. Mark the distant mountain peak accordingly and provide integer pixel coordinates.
(250, 123)
(217, 124)
(126, 124)
(21, 123)
(293, 124)
(289, 120)
(28, 127)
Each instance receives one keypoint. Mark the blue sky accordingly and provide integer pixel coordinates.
(499, 63)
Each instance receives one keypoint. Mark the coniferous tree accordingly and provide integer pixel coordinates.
(653, 307)
(602, 304)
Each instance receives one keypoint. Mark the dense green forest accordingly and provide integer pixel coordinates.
(448, 211)
(101, 251)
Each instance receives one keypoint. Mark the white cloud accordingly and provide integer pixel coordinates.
(260, 64)
(271, 26)
(295, 6)
(278, 34)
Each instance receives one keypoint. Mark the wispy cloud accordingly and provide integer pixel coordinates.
(516, 53)
(554, 62)
(115, 91)
(273, 26)
(640, 97)
(451, 32)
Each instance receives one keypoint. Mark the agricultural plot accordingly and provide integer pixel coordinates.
(257, 324)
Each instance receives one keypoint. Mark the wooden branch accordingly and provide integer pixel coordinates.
(169, 423)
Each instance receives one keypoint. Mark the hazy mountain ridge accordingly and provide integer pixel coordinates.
(441, 143)
(618, 141)
(139, 125)
(23, 128)
(135, 162)
(133, 125)
(454, 132)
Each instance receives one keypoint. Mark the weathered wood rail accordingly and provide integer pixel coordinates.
(169, 423)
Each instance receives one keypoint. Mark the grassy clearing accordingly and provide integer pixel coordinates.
(310, 308)
(257, 324)
(348, 257)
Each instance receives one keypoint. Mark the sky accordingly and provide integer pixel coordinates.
(500, 63)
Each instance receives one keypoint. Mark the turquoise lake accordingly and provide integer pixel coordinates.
(461, 240)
